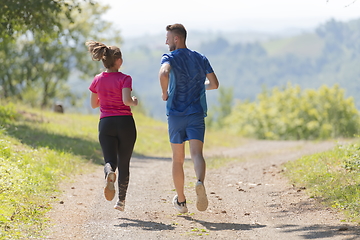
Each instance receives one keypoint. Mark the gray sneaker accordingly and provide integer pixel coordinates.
(120, 205)
(181, 207)
(201, 201)
(109, 190)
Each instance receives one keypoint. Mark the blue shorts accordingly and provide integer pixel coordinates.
(186, 128)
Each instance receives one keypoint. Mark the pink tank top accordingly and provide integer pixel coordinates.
(109, 87)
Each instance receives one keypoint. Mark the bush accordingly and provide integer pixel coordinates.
(291, 114)
(7, 114)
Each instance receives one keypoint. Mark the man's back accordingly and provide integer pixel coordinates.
(187, 78)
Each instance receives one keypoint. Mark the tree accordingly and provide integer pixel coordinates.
(215, 47)
(40, 65)
(222, 109)
(225, 100)
(17, 17)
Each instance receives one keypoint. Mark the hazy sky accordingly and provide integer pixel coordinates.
(139, 17)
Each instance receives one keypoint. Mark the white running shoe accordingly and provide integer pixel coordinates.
(201, 201)
(120, 205)
(109, 190)
(181, 207)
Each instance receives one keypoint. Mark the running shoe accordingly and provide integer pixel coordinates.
(201, 201)
(120, 205)
(181, 207)
(109, 190)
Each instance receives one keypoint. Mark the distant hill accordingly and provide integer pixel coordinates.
(196, 38)
(304, 45)
(248, 62)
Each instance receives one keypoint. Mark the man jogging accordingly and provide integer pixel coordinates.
(184, 77)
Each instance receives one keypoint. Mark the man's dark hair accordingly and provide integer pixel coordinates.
(178, 29)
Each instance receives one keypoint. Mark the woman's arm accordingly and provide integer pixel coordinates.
(127, 99)
(94, 99)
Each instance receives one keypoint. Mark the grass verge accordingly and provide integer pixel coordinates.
(27, 178)
(29, 173)
(39, 149)
(333, 177)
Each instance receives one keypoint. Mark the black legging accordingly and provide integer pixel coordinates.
(117, 136)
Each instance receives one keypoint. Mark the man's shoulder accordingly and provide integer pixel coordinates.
(167, 55)
(165, 58)
(186, 52)
(181, 53)
(199, 54)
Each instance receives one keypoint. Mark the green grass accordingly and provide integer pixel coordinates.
(39, 149)
(152, 137)
(27, 177)
(31, 166)
(332, 177)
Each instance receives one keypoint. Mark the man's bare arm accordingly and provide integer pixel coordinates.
(164, 80)
(212, 82)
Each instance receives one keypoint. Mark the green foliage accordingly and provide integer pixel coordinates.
(329, 55)
(352, 160)
(36, 66)
(326, 177)
(18, 17)
(27, 177)
(291, 113)
(7, 114)
(37, 151)
(223, 108)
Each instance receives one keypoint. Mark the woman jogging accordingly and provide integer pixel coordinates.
(111, 91)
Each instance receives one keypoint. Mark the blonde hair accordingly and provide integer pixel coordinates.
(107, 54)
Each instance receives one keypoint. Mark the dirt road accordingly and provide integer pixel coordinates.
(248, 199)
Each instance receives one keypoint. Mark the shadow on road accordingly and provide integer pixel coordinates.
(145, 225)
(215, 226)
(322, 231)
